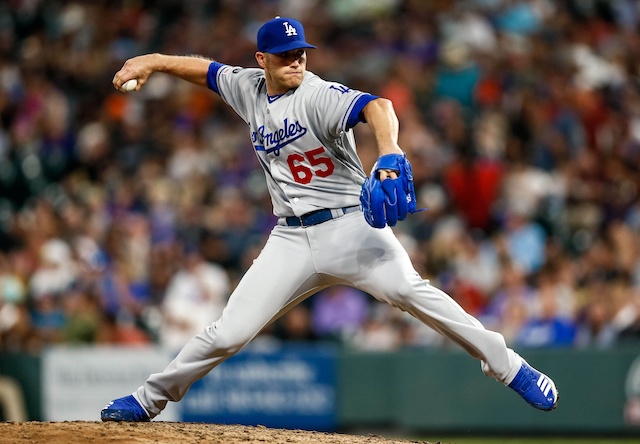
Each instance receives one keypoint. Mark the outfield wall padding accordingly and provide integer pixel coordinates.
(426, 390)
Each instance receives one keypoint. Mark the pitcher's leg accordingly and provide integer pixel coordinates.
(381, 266)
(375, 261)
(435, 308)
(280, 277)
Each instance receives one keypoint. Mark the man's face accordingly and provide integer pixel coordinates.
(283, 71)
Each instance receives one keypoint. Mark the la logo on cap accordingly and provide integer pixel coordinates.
(289, 29)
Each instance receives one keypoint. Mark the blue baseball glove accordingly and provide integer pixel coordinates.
(388, 201)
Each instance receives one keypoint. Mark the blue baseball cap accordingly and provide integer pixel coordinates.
(281, 35)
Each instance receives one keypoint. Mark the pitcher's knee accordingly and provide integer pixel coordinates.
(225, 340)
(402, 292)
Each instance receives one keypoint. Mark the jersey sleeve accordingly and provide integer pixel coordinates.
(337, 107)
(235, 85)
(356, 115)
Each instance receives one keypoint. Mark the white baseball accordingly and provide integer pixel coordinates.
(129, 85)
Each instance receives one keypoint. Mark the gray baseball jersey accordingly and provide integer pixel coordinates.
(306, 147)
(301, 138)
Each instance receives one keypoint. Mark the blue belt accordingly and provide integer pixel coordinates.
(319, 216)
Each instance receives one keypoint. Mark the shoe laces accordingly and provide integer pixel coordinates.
(523, 380)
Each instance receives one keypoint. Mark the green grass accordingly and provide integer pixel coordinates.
(538, 440)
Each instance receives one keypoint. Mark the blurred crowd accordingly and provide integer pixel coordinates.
(129, 218)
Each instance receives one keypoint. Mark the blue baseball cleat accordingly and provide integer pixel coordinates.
(536, 388)
(125, 409)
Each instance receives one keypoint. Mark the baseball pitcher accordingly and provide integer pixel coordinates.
(333, 221)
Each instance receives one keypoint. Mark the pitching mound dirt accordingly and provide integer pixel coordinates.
(159, 432)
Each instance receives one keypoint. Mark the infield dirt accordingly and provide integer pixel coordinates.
(159, 432)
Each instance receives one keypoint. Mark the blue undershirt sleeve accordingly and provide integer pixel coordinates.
(356, 115)
(212, 74)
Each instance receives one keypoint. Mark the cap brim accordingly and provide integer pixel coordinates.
(289, 46)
